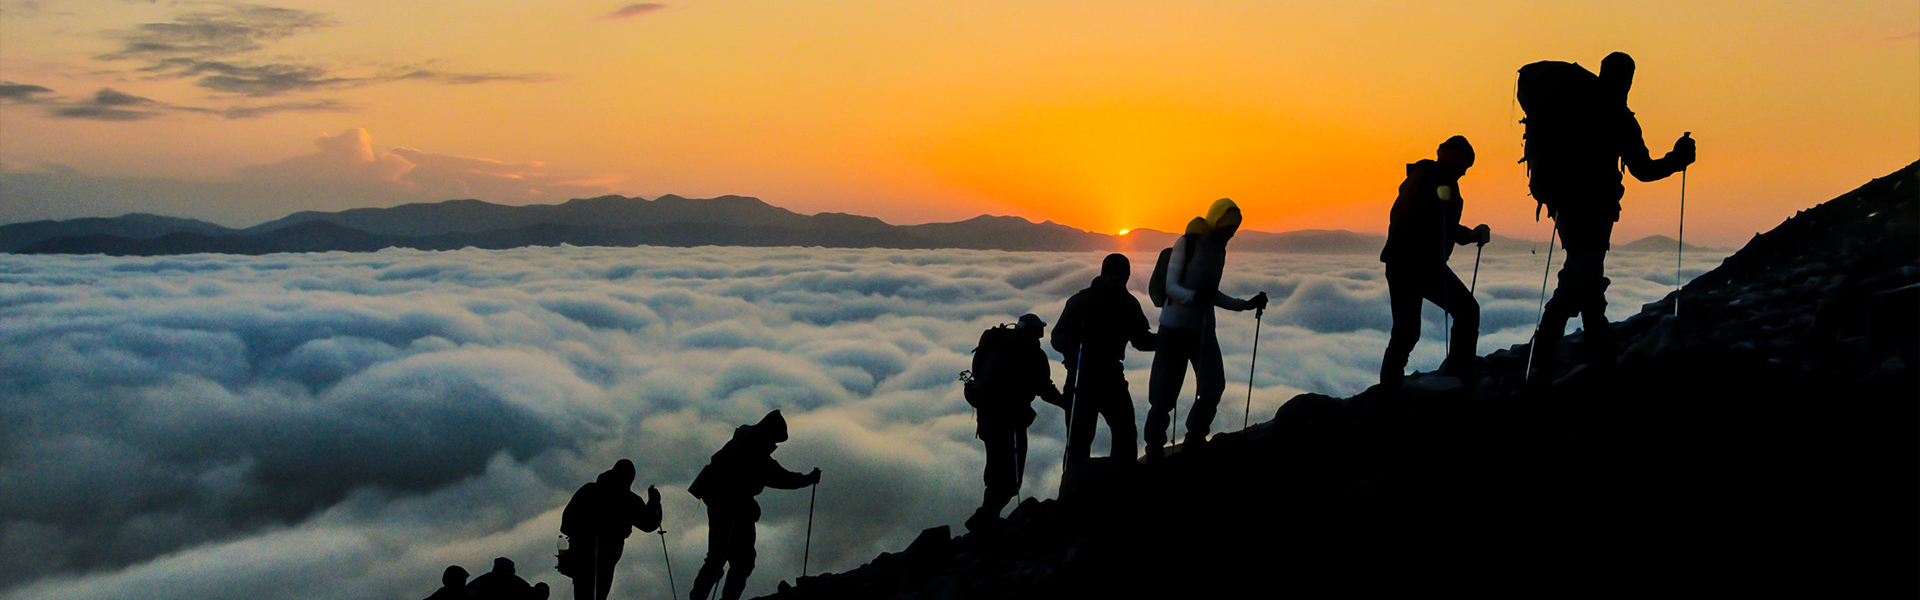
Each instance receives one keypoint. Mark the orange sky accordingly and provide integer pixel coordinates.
(1102, 115)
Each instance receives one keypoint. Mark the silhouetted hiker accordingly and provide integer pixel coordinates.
(1580, 135)
(597, 522)
(739, 471)
(1424, 228)
(1187, 328)
(1093, 334)
(453, 584)
(502, 584)
(1009, 369)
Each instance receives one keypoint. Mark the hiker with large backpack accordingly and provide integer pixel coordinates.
(1009, 370)
(742, 469)
(597, 521)
(1580, 137)
(1092, 334)
(1424, 227)
(1191, 282)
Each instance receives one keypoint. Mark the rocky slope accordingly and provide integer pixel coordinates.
(1764, 440)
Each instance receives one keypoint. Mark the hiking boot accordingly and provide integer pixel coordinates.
(1155, 453)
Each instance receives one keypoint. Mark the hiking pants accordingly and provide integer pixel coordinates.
(604, 551)
(1410, 284)
(729, 546)
(1582, 289)
(1180, 346)
(1101, 392)
(1003, 468)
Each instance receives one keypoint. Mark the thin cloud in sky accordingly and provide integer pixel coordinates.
(112, 105)
(21, 92)
(634, 10)
(225, 49)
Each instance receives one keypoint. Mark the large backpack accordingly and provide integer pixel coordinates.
(1561, 100)
(1157, 284)
(994, 365)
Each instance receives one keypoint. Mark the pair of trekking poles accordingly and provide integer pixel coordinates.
(1679, 253)
(806, 554)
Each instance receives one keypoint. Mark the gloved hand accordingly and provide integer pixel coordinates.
(653, 496)
(1683, 151)
(814, 476)
(1259, 301)
(1485, 234)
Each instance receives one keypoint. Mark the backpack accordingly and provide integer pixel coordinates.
(993, 365)
(1157, 284)
(1561, 102)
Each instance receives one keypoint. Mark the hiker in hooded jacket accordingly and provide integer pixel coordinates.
(1424, 228)
(737, 473)
(1194, 268)
(1009, 371)
(1580, 137)
(1092, 335)
(597, 522)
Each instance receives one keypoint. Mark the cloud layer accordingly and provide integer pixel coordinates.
(346, 425)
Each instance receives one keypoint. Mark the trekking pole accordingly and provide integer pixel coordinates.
(674, 587)
(1251, 364)
(1073, 401)
(807, 554)
(1533, 347)
(1476, 268)
(1680, 245)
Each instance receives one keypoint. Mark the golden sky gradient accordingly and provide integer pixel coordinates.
(1101, 115)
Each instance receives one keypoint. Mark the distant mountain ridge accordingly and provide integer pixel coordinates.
(605, 221)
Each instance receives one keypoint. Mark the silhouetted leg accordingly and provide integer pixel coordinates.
(1211, 379)
(607, 556)
(1403, 299)
(1086, 400)
(1585, 274)
(1117, 407)
(739, 561)
(1170, 359)
(1445, 290)
(720, 526)
(1002, 486)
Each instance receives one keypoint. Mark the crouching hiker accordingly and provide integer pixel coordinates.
(1009, 369)
(1424, 228)
(742, 469)
(503, 584)
(597, 522)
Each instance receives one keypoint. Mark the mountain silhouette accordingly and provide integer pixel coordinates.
(606, 221)
(1760, 442)
(17, 236)
(1660, 243)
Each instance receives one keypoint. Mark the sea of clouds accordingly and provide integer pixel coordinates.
(346, 425)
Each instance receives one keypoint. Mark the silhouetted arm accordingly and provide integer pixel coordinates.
(645, 514)
(1141, 335)
(1222, 300)
(1066, 331)
(1634, 154)
(1462, 235)
(778, 477)
(1178, 292)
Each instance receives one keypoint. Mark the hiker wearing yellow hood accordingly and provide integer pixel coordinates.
(1186, 326)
